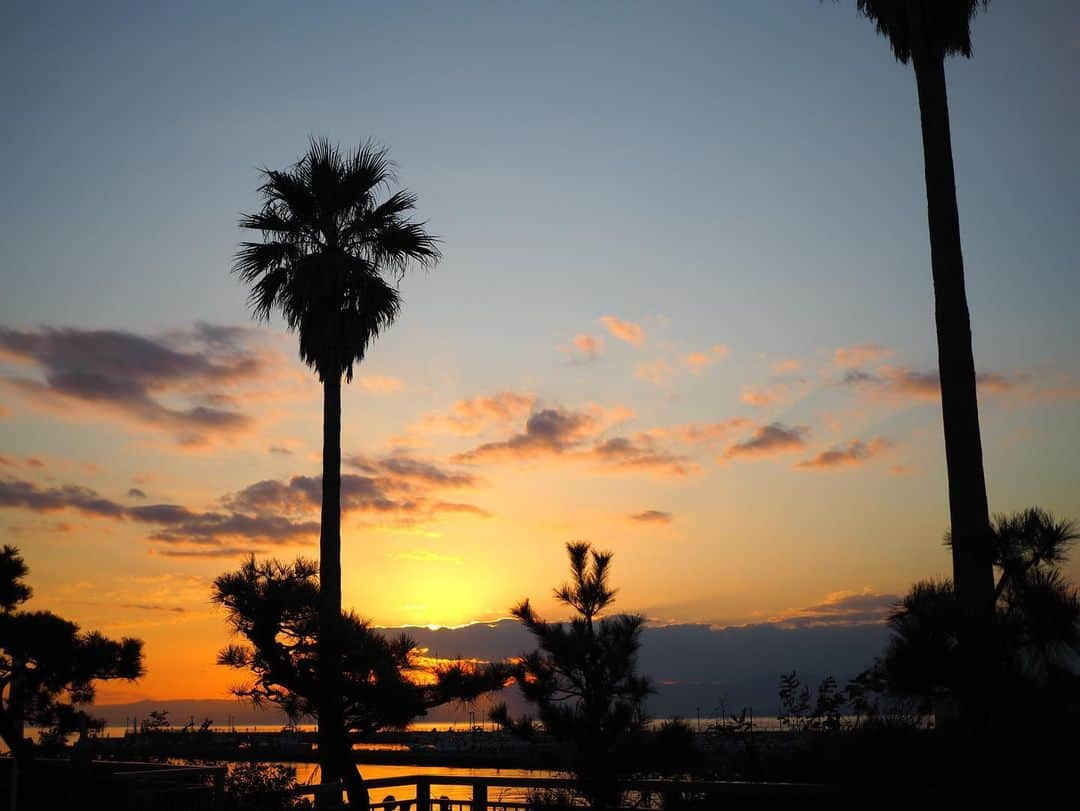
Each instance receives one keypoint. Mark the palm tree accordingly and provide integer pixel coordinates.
(1037, 618)
(329, 260)
(924, 32)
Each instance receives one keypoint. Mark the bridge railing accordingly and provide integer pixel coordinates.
(414, 792)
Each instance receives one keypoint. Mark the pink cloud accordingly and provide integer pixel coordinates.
(903, 382)
(697, 362)
(658, 372)
(788, 366)
(626, 331)
(860, 354)
(583, 348)
(477, 414)
(698, 433)
(764, 396)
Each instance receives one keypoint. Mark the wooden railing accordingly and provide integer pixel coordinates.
(485, 792)
(184, 788)
(116, 786)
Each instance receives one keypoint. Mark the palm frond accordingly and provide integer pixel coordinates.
(939, 26)
(330, 250)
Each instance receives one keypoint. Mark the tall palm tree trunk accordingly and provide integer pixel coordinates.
(968, 511)
(331, 714)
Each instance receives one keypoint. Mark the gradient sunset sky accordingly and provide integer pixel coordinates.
(684, 312)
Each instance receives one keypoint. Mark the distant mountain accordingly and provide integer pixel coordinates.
(221, 711)
(694, 667)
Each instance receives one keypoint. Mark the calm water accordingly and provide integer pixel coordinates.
(763, 723)
(309, 773)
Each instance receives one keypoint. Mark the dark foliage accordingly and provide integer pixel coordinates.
(48, 666)
(802, 711)
(583, 678)
(262, 787)
(331, 251)
(946, 24)
(274, 607)
(1037, 637)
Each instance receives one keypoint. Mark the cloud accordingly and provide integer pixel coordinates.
(28, 495)
(905, 383)
(856, 452)
(26, 461)
(551, 431)
(402, 493)
(997, 383)
(770, 440)
(626, 331)
(138, 378)
(841, 608)
(653, 517)
(577, 435)
(787, 366)
(399, 499)
(697, 362)
(583, 348)
(766, 396)
(1063, 389)
(658, 372)
(639, 453)
(399, 470)
(703, 433)
(379, 384)
(135, 492)
(477, 414)
(174, 522)
(860, 354)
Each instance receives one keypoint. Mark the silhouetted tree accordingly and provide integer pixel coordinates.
(924, 32)
(794, 701)
(1037, 620)
(801, 710)
(157, 721)
(275, 608)
(48, 667)
(262, 787)
(583, 678)
(329, 254)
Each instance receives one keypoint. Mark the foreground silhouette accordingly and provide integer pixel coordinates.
(583, 679)
(1036, 631)
(275, 608)
(48, 668)
(329, 253)
(924, 33)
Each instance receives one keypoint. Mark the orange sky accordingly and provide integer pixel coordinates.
(684, 310)
(456, 507)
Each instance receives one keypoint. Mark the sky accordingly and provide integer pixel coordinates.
(684, 310)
